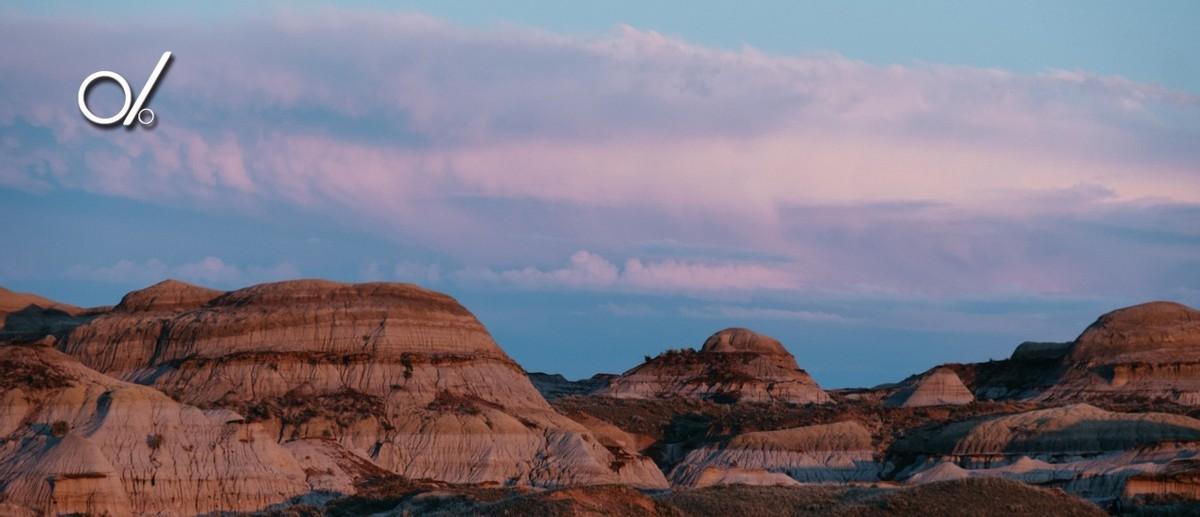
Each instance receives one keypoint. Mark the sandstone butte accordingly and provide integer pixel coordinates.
(390, 377)
(734, 364)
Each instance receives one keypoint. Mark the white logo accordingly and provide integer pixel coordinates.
(144, 116)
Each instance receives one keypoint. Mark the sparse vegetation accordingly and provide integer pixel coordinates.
(461, 404)
(82, 475)
(30, 374)
(154, 441)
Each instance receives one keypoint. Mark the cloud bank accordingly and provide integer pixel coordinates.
(507, 150)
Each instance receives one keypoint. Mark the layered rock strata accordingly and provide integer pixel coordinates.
(1080, 448)
(838, 452)
(938, 387)
(76, 441)
(1149, 351)
(733, 365)
(400, 375)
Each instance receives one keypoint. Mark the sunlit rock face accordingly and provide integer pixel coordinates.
(1150, 352)
(77, 441)
(403, 376)
(733, 365)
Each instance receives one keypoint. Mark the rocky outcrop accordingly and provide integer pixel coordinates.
(839, 452)
(1081, 448)
(1149, 351)
(1177, 480)
(397, 374)
(76, 441)
(11, 301)
(124, 342)
(1041, 350)
(733, 365)
(26, 317)
(1077, 429)
(1142, 354)
(938, 387)
(554, 386)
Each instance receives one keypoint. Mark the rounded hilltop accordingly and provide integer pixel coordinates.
(1154, 332)
(742, 340)
(168, 295)
(734, 364)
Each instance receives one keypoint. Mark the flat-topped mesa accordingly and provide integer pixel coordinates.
(1149, 351)
(1040, 351)
(733, 365)
(396, 373)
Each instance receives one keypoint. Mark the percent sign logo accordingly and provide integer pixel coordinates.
(144, 116)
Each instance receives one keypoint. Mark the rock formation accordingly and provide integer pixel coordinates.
(1081, 448)
(1149, 351)
(76, 441)
(553, 386)
(29, 317)
(11, 301)
(733, 365)
(839, 452)
(401, 375)
(938, 387)
(183, 400)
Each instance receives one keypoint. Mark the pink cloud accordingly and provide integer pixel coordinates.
(519, 146)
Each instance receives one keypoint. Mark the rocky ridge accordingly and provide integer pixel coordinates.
(304, 391)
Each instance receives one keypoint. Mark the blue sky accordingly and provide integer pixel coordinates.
(883, 187)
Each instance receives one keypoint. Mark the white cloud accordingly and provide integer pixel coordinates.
(517, 146)
(588, 271)
(738, 313)
(208, 271)
(417, 273)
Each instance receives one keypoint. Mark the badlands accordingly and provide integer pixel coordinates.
(311, 397)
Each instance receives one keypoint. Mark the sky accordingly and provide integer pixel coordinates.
(882, 186)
